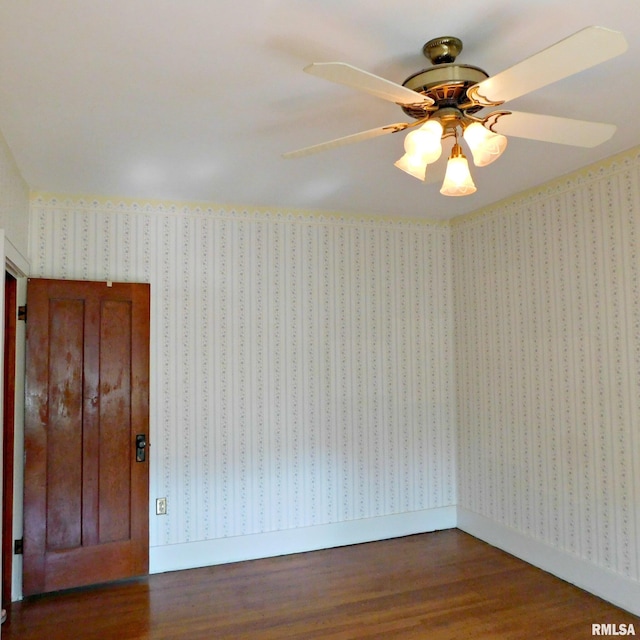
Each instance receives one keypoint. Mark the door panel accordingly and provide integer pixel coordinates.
(64, 425)
(115, 409)
(86, 496)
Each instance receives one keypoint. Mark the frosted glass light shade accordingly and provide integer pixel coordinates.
(425, 142)
(457, 180)
(413, 165)
(486, 146)
(422, 146)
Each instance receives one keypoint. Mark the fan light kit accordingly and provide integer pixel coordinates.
(444, 99)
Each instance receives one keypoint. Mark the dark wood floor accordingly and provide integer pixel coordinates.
(434, 586)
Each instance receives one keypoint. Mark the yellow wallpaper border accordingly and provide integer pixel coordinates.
(597, 170)
(127, 205)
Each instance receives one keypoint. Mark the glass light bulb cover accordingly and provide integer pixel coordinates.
(425, 142)
(412, 165)
(457, 180)
(434, 127)
(486, 146)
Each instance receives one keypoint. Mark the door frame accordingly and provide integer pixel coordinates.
(17, 266)
(8, 436)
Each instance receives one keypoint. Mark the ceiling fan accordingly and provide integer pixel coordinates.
(446, 98)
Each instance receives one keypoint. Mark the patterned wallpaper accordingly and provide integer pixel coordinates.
(302, 368)
(548, 364)
(310, 369)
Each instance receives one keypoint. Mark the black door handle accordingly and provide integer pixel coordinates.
(141, 445)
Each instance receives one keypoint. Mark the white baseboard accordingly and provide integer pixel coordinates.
(190, 555)
(619, 590)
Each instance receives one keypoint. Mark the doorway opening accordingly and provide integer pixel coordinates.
(8, 438)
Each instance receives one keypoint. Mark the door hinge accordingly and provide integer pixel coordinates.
(18, 547)
(22, 312)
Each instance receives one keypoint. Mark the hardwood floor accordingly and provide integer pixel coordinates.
(434, 586)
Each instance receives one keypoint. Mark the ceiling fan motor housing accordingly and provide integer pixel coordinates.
(446, 83)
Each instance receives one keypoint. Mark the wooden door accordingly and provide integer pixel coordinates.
(87, 396)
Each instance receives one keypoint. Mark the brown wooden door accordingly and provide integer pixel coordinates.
(87, 396)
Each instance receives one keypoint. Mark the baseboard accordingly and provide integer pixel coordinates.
(619, 590)
(190, 555)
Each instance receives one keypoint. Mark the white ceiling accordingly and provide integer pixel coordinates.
(197, 99)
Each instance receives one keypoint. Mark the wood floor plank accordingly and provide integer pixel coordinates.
(436, 586)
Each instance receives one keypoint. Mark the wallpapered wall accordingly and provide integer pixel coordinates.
(548, 364)
(310, 370)
(302, 366)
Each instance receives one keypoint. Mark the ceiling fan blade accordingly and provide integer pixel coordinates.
(579, 133)
(582, 50)
(354, 137)
(343, 73)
